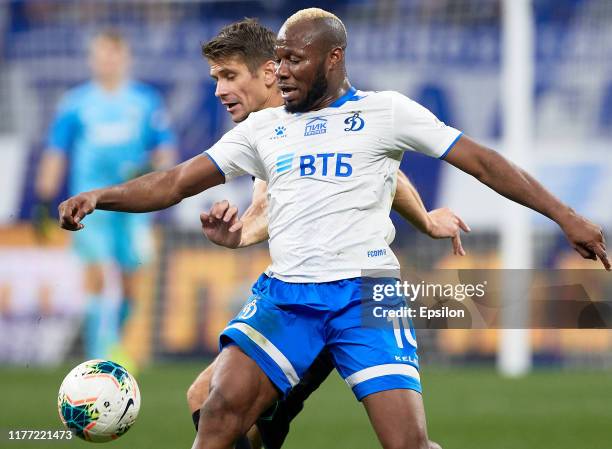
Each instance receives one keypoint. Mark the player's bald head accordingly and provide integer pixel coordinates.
(316, 27)
(310, 53)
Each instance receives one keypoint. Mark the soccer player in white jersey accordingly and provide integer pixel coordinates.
(241, 59)
(330, 157)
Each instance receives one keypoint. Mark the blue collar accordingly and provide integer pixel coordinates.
(349, 95)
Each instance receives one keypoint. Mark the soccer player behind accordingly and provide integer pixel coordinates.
(330, 196)
(107, 130)
(241, 59)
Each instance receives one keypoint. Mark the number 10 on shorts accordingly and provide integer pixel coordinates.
(399, 325)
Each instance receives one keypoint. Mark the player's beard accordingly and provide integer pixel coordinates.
(315, 93)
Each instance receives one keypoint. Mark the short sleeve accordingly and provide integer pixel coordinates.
(415, 128)
(64, 127)
(159, 130)
(235, 154)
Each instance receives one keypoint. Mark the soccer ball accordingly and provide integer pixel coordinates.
(98, 400)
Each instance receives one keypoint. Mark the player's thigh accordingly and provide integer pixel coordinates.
(198, 391)
(398, 418)
(376, 357)
(282, 339)
(132, 241)
(238, 387)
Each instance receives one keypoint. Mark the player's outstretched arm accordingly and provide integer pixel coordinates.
(439, 223)
(509, 180)
(222, 227)
(154, 191)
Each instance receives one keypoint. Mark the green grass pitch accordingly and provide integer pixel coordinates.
(466, 409)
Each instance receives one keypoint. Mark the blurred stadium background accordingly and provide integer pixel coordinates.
(447, 55)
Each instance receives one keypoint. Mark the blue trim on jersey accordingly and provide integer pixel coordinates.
(384, 383)
(249, 347)
(450, 147)
(215, 162)
(349, 95)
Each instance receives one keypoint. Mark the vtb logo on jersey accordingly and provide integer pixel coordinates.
(354, 122)
(326, 164)
(323, 164)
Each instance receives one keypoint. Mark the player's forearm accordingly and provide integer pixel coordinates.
(162, 189)
(254, 233)
(509, 180)
(147, 193)
(517, 185)
(255, 225)
(407, 202)
(255, 218)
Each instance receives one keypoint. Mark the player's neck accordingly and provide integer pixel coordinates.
(274, 100)
(332, 94)
(111, 85)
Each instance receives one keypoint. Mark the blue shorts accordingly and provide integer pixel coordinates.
(113, 236)
(284, 326)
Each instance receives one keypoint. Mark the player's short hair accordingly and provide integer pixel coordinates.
(113, 36)
(337, 35)
(247, 39)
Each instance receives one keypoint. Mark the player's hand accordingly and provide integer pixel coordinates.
(74, 209)
(446, 224)
(586, 238)
(221, 225)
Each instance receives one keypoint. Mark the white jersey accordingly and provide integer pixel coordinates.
(331, 178)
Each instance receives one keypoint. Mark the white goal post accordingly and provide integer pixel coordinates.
(518, 61)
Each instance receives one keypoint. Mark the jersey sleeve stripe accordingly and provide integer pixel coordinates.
(382, 370)
(215, 162)
(450, 147)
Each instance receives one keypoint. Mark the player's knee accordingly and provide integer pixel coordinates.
(198, 391)
(222, 414)
(434, 445)
(415, 439)
(193, 397)
(419, 439)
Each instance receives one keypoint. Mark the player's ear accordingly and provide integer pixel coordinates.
(269, 70)
(336, 56)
